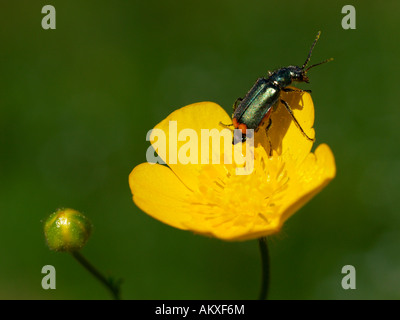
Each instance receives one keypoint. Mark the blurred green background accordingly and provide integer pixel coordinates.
(76, 104)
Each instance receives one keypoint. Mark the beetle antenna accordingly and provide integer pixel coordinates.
(312, 47)
(317, 64)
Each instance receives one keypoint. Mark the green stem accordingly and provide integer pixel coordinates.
(265, 279)
(112, 286)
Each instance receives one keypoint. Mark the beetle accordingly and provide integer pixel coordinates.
(263, 98)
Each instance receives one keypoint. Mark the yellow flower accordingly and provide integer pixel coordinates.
(212, 200)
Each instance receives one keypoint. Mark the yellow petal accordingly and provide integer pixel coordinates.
(284, 134)
(313, 174)
(159, 192)
(197, 117)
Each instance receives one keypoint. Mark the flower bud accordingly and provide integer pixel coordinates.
(67, 230)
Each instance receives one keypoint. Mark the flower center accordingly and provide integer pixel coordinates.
(223, 193)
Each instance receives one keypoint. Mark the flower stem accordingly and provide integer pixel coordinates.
(111, 285)
(265, 268)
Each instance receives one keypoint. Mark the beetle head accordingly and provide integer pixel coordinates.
(298, 74)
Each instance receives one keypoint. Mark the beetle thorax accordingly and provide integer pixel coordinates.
(285, 76)
(282, 77)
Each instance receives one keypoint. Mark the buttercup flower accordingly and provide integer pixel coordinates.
(211, 199)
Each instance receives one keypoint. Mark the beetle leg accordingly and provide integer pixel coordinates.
(295, 120)
(235, 105)
(226, 125)
(266, 133)
(293, 90)
(243, 139)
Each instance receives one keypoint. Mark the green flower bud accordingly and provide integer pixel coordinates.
(67, 230)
